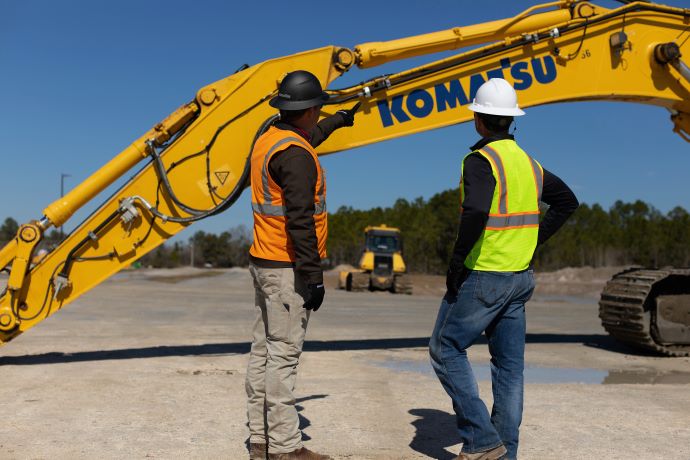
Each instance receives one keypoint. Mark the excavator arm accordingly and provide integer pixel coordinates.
(194, 164)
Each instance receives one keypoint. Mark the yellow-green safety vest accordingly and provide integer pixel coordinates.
(508, 242)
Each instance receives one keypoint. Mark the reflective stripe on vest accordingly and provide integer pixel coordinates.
(510, 235)
(512, 221)
(497, 164)
(272, 210)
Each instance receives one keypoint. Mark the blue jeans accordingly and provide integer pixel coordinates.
(493, 303)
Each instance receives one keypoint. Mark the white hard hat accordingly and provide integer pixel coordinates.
(496, 97)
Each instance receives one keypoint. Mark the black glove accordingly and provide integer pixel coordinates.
(316, 294)
(454, 279)
(349, 115)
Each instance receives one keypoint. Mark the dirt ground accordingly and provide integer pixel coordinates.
(151, 364)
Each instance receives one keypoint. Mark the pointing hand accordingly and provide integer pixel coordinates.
(349, 114)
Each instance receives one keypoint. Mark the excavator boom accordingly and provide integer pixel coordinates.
(195, 163)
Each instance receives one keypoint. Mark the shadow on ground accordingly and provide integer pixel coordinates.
(435, 433)
(304, 422)
(601, 341)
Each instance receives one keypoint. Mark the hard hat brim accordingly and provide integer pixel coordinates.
(506, 112)
(284, 104)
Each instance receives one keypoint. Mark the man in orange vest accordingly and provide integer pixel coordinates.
(290, 230)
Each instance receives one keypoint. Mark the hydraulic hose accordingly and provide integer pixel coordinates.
(198, 214)
(227, 201)
(222, 206)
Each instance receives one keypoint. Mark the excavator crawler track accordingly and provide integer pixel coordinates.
(627, 308)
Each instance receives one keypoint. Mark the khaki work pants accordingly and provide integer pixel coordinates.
(278, 336)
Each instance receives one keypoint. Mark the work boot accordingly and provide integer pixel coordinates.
(257, 451)
(492, 454)
(300, 454)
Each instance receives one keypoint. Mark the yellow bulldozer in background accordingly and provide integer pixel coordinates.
(381, 265)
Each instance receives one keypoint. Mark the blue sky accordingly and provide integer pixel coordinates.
(80, 80)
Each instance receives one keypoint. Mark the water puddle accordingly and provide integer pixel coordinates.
(535, 374)
(647, 376)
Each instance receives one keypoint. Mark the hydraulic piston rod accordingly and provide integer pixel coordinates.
(62, 209)
(376, 53)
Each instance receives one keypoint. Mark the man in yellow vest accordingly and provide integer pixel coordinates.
(489, 278)
(290, 230)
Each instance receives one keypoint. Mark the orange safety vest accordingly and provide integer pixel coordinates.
(271, 241)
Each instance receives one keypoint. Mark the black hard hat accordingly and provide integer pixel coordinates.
(299, 90)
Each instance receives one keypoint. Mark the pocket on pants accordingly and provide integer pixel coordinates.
(490, 289)
(270, 282)
(532, 284)
(278, 316)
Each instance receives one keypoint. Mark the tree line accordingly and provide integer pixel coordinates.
(227, 249)
(625, 234)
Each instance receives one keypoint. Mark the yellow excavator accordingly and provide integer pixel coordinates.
(381, 265)
(194, 163)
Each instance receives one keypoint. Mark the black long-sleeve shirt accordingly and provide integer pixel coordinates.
(479, 185)
(294, 171)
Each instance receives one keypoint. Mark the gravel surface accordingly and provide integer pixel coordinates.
(151, 364)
